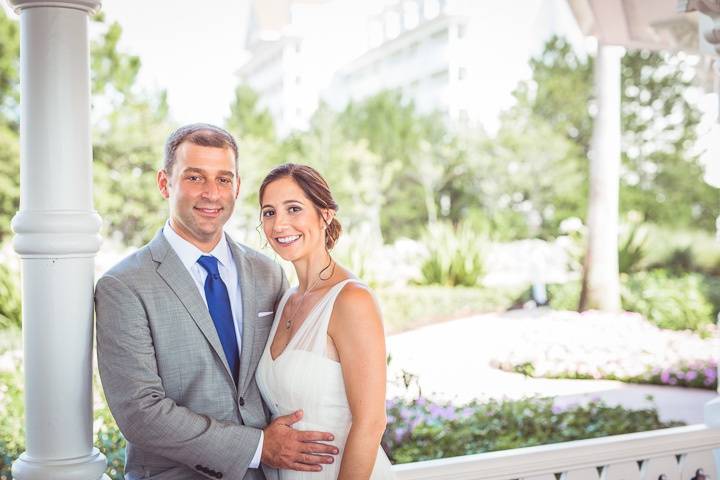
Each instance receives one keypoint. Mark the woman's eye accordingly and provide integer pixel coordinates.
(294, 209)
(268, 213)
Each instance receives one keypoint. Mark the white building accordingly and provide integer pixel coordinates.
(462, 57)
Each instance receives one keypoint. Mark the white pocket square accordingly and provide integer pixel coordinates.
(264, 314)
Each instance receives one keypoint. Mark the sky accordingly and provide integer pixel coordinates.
(191, 48)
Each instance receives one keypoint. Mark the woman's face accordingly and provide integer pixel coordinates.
(291, 222)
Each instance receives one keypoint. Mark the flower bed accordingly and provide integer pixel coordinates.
(423, 430)
(621, 347)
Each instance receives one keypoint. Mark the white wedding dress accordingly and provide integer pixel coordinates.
(304, 377)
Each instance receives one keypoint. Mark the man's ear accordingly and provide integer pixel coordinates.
(163, 182)
(237, 189)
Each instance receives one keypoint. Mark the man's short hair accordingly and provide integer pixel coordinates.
(202, 134)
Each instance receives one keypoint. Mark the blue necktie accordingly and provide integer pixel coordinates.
(218, 302)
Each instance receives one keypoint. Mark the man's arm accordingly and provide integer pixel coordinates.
(136, 397)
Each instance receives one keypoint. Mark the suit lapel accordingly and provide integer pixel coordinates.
(247, 290)
(181, 283)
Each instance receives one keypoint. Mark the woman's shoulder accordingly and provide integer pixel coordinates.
(355, 300)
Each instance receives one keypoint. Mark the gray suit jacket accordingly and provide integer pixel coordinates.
(164, 372)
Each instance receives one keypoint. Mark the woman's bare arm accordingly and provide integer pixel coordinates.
(357, 332)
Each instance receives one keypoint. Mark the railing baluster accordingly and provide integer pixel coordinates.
(621, 471)
(581, 474)
(698, 466)
(654, 468)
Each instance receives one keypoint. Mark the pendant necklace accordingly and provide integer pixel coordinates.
(291, 318)
(311, 288)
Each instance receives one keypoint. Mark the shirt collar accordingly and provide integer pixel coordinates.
(189, 253)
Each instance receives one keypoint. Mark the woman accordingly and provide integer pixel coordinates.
(326, 349)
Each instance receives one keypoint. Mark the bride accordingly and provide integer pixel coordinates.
(326, 351)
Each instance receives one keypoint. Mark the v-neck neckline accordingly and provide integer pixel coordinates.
(292, 337)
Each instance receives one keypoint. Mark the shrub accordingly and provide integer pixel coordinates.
(686, 302)
(696, 374)
(675, 303)
(632, 249)
(422, 430)
(405, 308)
(10, 302)
(455, 256)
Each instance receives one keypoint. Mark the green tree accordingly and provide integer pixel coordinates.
(661, 175)
(129, 130)
(9, 123)
(247, 118)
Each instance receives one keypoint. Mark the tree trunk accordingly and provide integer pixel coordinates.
(601, 282)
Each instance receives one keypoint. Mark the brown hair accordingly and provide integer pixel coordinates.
(202, 134)
(315, 188)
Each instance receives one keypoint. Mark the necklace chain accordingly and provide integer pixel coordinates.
(291, 318)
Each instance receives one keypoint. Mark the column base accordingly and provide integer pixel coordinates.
(90, 467)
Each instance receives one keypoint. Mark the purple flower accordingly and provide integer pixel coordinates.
(691, 375)
(665, 376)
(399, 434)
(557, 409)
(711, 373)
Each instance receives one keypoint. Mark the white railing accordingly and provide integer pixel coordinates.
(682, 453)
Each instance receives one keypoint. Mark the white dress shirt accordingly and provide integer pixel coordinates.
(189, 255)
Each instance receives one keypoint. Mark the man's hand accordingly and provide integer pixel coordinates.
(284, 447)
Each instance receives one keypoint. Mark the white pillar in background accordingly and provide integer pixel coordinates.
(57, 237)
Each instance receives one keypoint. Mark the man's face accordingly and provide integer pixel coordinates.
(201, 192)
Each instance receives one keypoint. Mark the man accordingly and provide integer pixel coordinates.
(181, 326)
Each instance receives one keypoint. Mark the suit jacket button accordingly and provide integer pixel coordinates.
(219, 475)
(199, 467)
(241, 401)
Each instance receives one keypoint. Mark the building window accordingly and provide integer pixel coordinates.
(375, 33)
(431, 8)
(392, 24)
(411, 15)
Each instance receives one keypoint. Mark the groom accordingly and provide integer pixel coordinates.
(181, 326)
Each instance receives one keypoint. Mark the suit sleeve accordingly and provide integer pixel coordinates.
(135, 394)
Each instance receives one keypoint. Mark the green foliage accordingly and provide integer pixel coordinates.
(455, 256)
(631, 251)
(127, 153)
(9, 177)
(9, 66)
(421, 430)
(407, 308)
(247, 119)
(113, 72)
(109, 441)
(697, 374)
(564, 296)
(684, 302)
(675, 303)
(10, 301)
(129, 133)
(12, 420)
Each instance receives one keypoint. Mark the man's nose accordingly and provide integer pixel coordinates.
(211, 191)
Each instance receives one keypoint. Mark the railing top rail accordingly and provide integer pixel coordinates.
(560, 457)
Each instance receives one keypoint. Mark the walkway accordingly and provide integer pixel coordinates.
(451, 359)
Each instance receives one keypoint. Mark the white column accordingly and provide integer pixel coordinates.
(57, 237)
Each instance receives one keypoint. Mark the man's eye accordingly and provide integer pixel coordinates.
(225, 180)
(193, 178)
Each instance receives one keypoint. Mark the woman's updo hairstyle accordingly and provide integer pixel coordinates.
(315, 188)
